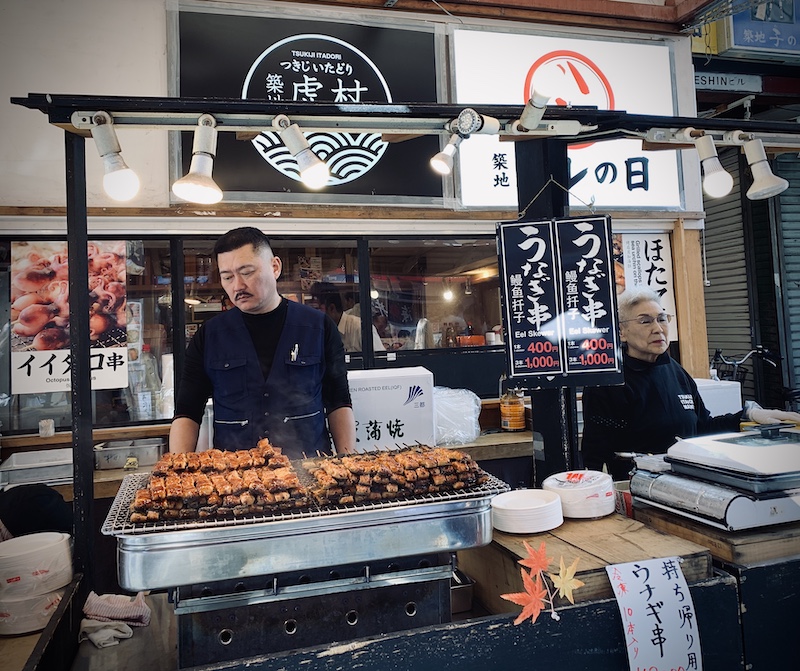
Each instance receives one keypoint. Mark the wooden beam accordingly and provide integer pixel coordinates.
(687, 276)
(273, 211)
(636, 16)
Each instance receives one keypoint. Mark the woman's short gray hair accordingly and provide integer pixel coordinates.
(630, 298)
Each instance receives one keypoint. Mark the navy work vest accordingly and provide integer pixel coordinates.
(286, 407)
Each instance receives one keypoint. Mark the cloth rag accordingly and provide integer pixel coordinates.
(118, 608)
(103, 634)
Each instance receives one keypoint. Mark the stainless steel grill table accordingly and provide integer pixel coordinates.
(267, 583)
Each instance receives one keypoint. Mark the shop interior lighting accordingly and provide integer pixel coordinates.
(443, 161)
(717, 182)
(119, 181)
(197, 186)
(313, 171)
(469, 122)
(532, 113)
(448, 294)
(765, 183)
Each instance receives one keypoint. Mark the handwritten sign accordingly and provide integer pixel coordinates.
(657, 614)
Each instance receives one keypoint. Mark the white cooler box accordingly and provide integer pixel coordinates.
(393, 407)
(721, 397)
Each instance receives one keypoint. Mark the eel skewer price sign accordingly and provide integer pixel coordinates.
(559, 302)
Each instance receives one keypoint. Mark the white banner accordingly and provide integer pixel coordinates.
(503, 69)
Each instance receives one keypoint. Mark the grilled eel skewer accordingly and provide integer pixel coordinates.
(262, 480)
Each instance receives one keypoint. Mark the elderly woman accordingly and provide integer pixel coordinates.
(659, 400)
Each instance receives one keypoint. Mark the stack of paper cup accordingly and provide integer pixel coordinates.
(584, 494)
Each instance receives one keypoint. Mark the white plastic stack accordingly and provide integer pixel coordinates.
(526, 511)
(34, 569)
(584, 494)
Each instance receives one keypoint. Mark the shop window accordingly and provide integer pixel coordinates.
(309, 268)
(433, 294)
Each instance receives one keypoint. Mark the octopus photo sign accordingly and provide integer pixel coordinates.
(40, 329)
(559, 302)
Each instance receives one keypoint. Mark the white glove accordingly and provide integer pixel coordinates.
(764, 416)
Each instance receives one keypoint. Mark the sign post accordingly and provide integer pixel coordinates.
(557, 278)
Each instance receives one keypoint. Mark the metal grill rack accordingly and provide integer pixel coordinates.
(179, 552)
(117, 522)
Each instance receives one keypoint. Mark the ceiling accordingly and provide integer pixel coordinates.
(656, 16)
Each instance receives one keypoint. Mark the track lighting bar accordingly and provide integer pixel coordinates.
(80, 113)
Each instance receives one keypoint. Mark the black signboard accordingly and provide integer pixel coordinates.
(559, 302)
(308, 61)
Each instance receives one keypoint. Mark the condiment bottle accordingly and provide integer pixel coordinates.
(512, 411)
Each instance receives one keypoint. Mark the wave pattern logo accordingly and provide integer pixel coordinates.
(414, 392)
(316, 68)
(347, 155)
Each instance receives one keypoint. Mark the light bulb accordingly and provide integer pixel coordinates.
(119, 181)
(717, 182)
(197, 186)
(314, 172)
(765, 183)
(443, 161)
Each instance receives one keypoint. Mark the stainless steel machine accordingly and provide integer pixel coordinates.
(731, 481)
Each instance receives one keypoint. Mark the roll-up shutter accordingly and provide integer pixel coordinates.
(788, 167)
(727, 298)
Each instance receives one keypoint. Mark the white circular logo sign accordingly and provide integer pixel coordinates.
(313, 68)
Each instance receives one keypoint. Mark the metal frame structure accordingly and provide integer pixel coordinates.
(75, 113)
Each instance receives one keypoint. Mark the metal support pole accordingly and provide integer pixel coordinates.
(554, 410)
(82, 449)
(368, 350)
(178, 293)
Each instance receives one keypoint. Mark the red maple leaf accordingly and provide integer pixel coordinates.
(531, 600)
(537, 560)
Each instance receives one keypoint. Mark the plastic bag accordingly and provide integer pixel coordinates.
(457, 412)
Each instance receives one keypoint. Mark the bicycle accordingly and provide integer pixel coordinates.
(730, 369)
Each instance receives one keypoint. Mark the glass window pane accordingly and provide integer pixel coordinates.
(434, 293)
(150, 339)
(310, 267)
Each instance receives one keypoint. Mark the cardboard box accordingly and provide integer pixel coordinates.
(393, 407)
